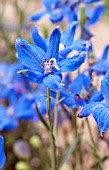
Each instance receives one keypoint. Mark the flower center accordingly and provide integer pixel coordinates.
(49, 65)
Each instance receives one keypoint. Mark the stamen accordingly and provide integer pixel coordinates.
(48, 65)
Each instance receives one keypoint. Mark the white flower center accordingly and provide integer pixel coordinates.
(48, 65)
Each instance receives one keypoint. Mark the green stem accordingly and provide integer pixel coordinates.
(52, 138)
(98, 159)
(56, 114)
(77, 153)
(75, 123)
(90, 132)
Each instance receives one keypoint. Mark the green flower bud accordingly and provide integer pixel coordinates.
(82, 15)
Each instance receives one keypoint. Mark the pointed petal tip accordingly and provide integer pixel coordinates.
(19, 42)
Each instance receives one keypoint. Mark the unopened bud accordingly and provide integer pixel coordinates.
(82, 15)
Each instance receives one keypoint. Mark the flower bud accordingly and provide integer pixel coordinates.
(82, 15)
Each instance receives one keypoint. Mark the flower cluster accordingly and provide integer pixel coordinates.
(49, 63)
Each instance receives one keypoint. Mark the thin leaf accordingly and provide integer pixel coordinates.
(69, 152)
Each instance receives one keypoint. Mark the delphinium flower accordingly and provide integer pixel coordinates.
(67, 42)
(2, 154)
(101, 64)
(11, 113)
(45, 67)
(80, 92)
(99, 110)
(9, 79)
(58, 9)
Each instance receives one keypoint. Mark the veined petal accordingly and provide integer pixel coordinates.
(34, 76)
(37, 16)
(81, 81)
(53, 81)
(88, 109)
(97, 13)
(105, 86)
(68, 36)
(2, 154)
(101, 116)
(38, 40)
(29, 55)
(97, 97)
(53, 47)
(72, 63)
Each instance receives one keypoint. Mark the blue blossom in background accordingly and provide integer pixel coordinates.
(44, 67)
(80, 92)
(67, 42)
(99, 110)
(57, 9)
(101, 65)
(2, 154)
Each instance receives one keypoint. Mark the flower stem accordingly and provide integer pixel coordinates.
(52, 138)
(77, 153)
(98, 159)
(90, 132)
(56, 114)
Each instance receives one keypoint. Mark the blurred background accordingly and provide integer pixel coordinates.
(27, 147)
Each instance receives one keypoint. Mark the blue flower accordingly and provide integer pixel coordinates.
(101, 65)
(80, 92)
(99, 110)
(67, 43)
(57, 9)
(2, 154)
(44, 67)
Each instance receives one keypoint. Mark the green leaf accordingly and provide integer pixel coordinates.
(60, 100)
(70, 150)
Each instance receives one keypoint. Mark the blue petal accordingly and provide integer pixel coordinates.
(2, 154)
(100, 112)
(97, 13)
(68, 99)
(38, 40)
(72, 15)
(53, 81)
(81, 81)
(101, 116)
(90, 1)
(105, 53)
(52, 4)
(55, 18)
(86, 34)
(34, 76)
(100, 68)
(88, 109)
(30, 55)
(97, 97)
(105, 86)
(72, 63)
(79, 45)
(68, 36)
(37, 16)
(53, 47)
